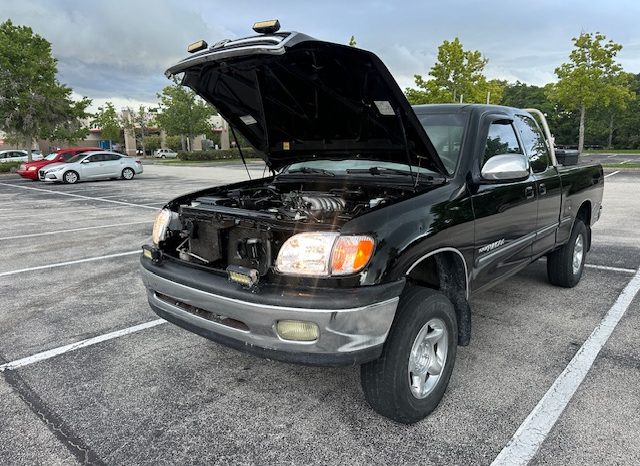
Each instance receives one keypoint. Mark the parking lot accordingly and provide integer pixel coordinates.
(155, 394)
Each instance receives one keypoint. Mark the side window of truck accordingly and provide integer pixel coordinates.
(534, 144)
(501, 140)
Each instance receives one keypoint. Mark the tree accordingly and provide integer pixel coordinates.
(33, 104)
(107, 120)
(183, 113)
(137, 122)
(174, 143)
(456, 76)
(352, 41)
(590, 78)
(152, 143)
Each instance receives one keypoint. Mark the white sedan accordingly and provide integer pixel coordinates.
(17, 155)
(92, 166)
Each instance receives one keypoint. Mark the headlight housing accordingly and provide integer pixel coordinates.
(54, 169)
(321, 254)
(31, 169)
(160, 225)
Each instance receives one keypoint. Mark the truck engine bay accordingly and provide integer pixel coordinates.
(246, 226)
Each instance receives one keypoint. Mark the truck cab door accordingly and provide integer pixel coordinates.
(505, 209)
(547, 184)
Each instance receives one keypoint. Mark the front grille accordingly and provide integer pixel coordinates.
(41, 173)
(198, 312)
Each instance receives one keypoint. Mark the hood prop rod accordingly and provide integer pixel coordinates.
(406, 148)
(235, 138)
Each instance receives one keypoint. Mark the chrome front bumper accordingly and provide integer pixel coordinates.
(348, 336)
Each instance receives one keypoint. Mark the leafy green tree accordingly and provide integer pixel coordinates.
(352, 41)
(457, 76)
(626, 133)
(590, 78)
(107, 120)
(174, 142)
(33, 104)
(137, 122)
(183, 113)
(152, 143)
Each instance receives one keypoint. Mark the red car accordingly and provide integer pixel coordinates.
(30, 169)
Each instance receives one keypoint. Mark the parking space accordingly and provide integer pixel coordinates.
(164, 395)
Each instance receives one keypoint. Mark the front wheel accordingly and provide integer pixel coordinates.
(409, 379)
(70, 177)
(566, 264)
(128, 174)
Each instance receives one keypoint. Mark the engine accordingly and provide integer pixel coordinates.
(298, 205)
(246, 227)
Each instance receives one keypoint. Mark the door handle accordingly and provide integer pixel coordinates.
(529, 192)
(542, 189)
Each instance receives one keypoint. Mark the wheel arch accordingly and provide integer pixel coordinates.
(584, 214)
(446, 270)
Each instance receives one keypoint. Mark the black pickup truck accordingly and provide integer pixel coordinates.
(377, 225)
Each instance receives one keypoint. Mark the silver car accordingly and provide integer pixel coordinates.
(17, 155)
(92, 166)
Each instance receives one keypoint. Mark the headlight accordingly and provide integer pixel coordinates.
(322, 254)
(54, 169)
(160, 225)
(31, 169)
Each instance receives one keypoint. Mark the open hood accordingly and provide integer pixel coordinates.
(295, 98)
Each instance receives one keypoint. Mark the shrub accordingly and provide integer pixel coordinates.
(9, 167)
(248, 152)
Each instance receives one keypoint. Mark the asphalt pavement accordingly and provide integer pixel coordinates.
(161, 395)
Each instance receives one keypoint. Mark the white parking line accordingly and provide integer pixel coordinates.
(80, 344)
(80, 196)
(44, 211)
(536, 427)
(612, 269)
(611, 174)
(614, 155)
(34, 235)
(62, 264)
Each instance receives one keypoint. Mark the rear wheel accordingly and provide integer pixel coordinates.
(128, 174)
(70, 177)
(409, 379)
(163, 156)
(566, 264)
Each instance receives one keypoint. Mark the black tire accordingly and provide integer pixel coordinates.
(163, 156)
(70, 177)
(560, 263)
(385, 381)
(128, 174)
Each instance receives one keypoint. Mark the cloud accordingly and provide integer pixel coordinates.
(119, 49)
(114, 47)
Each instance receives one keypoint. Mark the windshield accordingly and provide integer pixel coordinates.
(445, 130)
(76, 158)
(51, 156)
(343, 167)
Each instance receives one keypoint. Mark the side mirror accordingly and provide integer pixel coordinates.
(506, 167)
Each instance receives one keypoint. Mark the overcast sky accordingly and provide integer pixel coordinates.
(117, 50)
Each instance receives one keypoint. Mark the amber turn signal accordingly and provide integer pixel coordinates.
(350, 254)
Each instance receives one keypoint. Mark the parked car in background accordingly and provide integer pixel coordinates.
(16, 155)
(30, 169)
(165, 154)
(92, 166)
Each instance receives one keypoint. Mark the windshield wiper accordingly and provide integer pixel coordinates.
(319, 171)
(378, 171)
